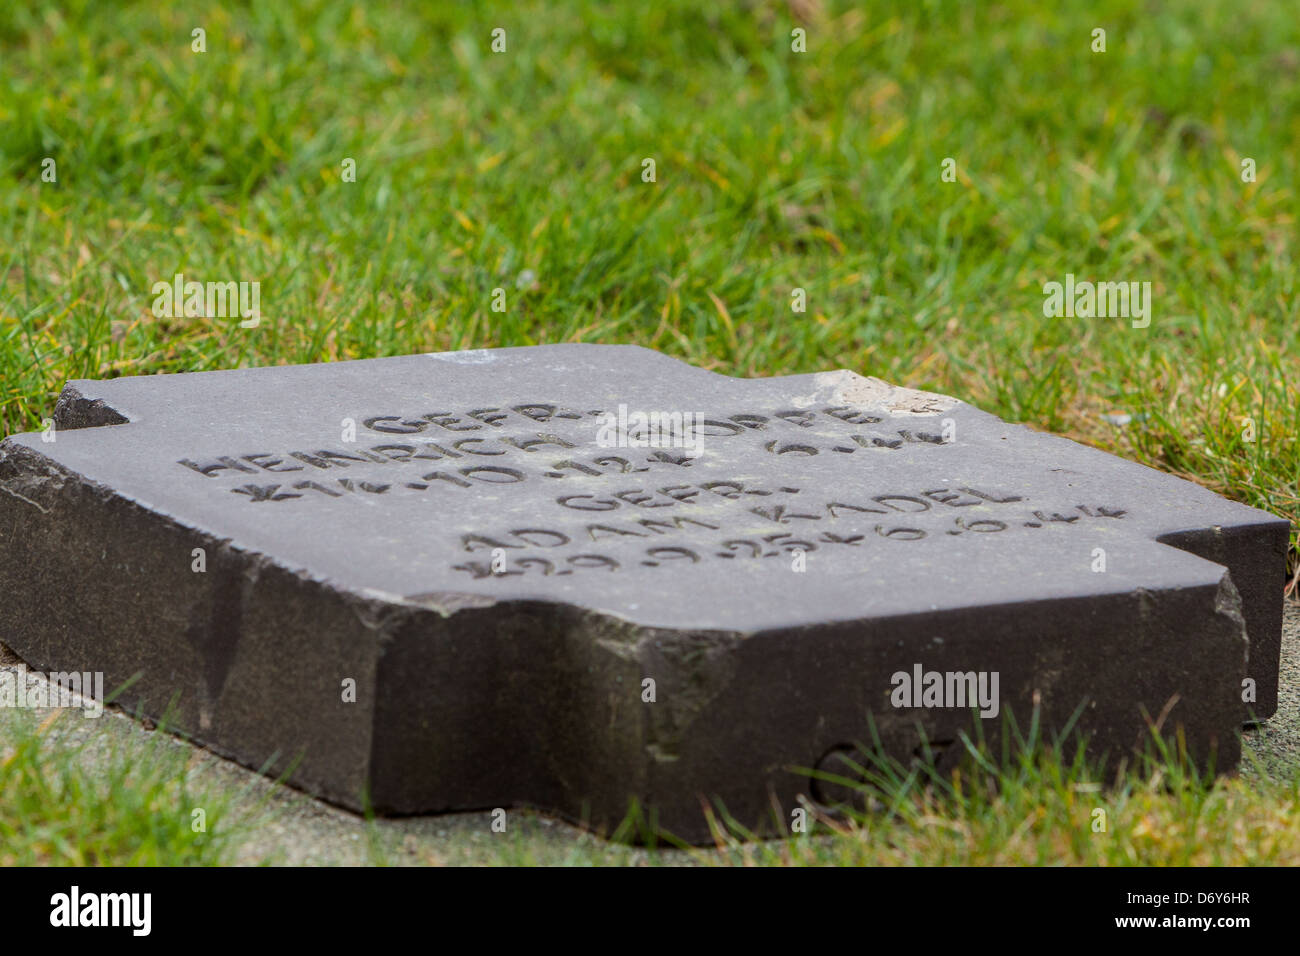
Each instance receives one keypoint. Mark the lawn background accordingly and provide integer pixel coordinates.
(775, 170)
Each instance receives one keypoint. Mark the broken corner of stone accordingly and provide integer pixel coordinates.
(476, 601)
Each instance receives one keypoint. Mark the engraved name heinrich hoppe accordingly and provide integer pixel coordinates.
(645, 507)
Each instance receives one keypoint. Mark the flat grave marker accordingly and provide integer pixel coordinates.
(569, 576)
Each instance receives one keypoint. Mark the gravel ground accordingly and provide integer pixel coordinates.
(1277, 741)
(283, 826)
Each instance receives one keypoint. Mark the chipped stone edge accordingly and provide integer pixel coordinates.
(73, 410)
(843, 387)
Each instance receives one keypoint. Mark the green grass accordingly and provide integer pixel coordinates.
(123, 795)
(1025, 801)
(67, 799)
(1032, 806)
(775, 170)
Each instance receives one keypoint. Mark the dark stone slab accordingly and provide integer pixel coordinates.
(932, 536)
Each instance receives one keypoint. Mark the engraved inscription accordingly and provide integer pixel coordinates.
(642, 507)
